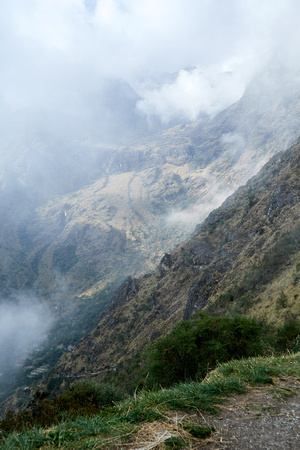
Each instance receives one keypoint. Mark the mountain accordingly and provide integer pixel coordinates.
(80, 216)
(132, 204)
(244, 258)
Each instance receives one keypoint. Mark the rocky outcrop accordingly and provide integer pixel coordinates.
(125, 292)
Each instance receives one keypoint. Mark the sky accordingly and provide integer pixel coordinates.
(183, 58)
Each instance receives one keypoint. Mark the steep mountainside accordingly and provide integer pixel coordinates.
(244, 258)
(148, 198)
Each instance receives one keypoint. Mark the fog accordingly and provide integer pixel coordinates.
(79, 78)
(24, 323)
(108, 72)
(192, 216)
(181, 58)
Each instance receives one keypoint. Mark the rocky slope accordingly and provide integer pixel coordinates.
(244, 258)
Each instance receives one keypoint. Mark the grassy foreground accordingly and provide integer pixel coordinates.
(117, 425)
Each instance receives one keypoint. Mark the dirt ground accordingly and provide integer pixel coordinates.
(264, 418)
(267, 417)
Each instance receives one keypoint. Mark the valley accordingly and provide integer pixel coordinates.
(149, 224)
(199, 217)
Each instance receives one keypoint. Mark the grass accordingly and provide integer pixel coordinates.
(199, 432)
(118, 424)
(259, 370)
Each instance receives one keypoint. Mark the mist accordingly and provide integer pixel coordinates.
(24, 324)
(190, 217)
(62, 55)
(108, 72)
(111, 71)
(82, 78)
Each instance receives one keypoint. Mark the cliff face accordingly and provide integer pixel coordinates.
(244, 258)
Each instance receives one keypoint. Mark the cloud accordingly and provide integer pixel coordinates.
(103, 70)
(194, 92)
(110, 71)
(54, 52)
(234, 143)
(194, 215)
(23, 324)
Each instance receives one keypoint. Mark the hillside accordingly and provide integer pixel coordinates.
(137, 202)
(149, 224)
(243, 259)
(111, 212)
(241, 404)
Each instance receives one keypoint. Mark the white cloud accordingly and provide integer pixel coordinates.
(23, 324)
(54, 52)
(194, 215)
(192, 93)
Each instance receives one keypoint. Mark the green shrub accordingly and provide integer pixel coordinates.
(174, 442)
(194, 347)
(87, 396)
(281, 301)
(198, 431)
(84, 397)
(287, 335)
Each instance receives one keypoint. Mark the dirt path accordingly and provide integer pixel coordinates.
(264, 418)
(267, 417)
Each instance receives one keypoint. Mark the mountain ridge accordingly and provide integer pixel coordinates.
(148, 197)
(226, 265)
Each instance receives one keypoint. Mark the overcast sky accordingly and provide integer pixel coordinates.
(183, 57)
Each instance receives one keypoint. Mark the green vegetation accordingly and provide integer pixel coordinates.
(110, 410)
(287, 337)
(64, 257)
(281, 301)
(69, 327)
(117, 424)
(196, 346)
(274, 260)
(84, 397)
(240, 298)
(199, 432)
(187, 354)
